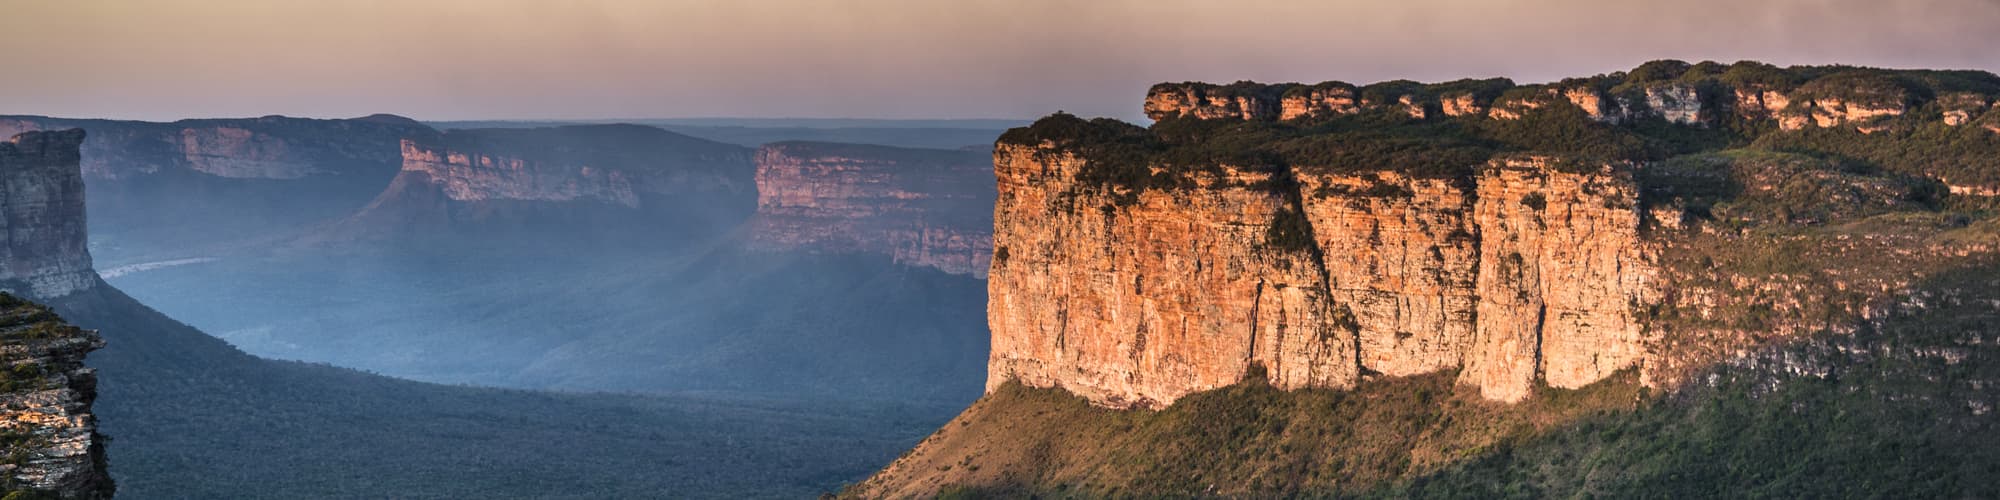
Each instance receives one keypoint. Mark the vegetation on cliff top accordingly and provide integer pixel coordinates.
(1131, 159)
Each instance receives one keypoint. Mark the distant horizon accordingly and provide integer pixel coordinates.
(470, 60)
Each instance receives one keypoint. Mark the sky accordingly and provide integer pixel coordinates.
(604, 59)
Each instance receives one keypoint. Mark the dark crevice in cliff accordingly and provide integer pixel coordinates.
(1256, 305)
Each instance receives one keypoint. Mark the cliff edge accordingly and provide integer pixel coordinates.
(47, 426)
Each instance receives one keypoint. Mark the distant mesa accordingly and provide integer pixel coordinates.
(638, 181)
(930, 208)
(1500, 231)
(46, 252)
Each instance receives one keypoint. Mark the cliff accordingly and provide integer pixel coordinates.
(1478, 227)
(199, 188)
(1684, 280)
(42, 216)
(270, 147)
(46, 424)
(642, 181)
(1708, 94)
(1524, 276)
(50, 435)
(929, 208)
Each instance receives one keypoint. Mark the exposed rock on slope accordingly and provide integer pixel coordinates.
(1669, 293)
(1328, 248)
(198, 187)
(48, 434)
(42, 215)
(920, 207)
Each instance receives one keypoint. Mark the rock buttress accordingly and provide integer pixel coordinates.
(42, 215)
(1527, 273)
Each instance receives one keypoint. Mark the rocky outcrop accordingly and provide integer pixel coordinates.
(1795, 98)
(1527, 275)
(1961, 107)
(1328, 99)
(1242, 101)
(42, 216)
(1678, 103)
(47, 428)
(929, 208)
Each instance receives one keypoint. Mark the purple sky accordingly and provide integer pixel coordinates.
(509, 59)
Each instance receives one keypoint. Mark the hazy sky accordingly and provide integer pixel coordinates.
(473, 59)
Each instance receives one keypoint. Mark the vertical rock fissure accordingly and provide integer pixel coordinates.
(1256, 306)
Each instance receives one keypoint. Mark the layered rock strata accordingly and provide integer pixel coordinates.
(46, 424)
(1856, 99)
(42, 216)
(1526, 276)
(929, 208)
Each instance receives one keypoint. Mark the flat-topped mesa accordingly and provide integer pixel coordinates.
(622, 182)
(45, 253)
(931, 208)
(1705, 94)
(1525, 273)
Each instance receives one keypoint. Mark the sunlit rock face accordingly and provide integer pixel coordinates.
(51, 444)
(1205, 101)
(930, 208)
(1327, 99)
(42, 215)
(620, 181)
(1526, 275)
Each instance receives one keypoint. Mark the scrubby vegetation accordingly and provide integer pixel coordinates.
(1129, 160)
(1826, 329)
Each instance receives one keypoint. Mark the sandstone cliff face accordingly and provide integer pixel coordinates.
(46, 424)
(1141, 304)
(42, 216)
(1527, 275)
(476, 176)
(1323, 100)
(928, 208)
(1205, 101)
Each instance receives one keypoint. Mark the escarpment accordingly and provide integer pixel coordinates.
(42, 216)
(1496, 231)
(46, 423)
(1527, 274)
(271, 147)
(565, 179)
(929, 208)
